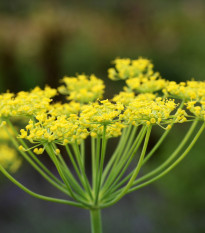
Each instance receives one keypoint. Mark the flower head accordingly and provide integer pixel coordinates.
(82, 88)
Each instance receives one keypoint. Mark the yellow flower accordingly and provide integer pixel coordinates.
(82, 88)
(9, 158)
(190, 90)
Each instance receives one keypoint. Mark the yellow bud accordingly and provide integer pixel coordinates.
(152, 120)
(57, 151)
(21, 148)
(40, 151)
(35, 151)
(168, 127)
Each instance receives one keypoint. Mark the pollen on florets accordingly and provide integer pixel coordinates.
(82, 88)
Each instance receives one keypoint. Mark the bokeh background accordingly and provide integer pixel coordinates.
(41, 41)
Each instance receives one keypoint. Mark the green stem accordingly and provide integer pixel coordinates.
(36, 167)
(95, 217)
(102, 157)
(82, 150)
(93, 149)
(162, 166)
(118, 172)
(74, 164)
(149, 155)
(42, 197)
(82, 169)
(32, 154)
(135, 173)
(173, 155)
(173, 165)
(75, 196)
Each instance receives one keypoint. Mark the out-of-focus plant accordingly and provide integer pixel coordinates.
(9, 158)
(148, 101)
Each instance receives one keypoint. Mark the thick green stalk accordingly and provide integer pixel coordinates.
(96, 224)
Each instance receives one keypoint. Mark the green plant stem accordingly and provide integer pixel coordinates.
(93, 151)
(118, 172)
(82, 150)
(32, 154)
(75, 185)
(36, 167)
(117, 152)
(96, 224)
(82, 169)
(173, 155)
(102, 157)
(160, 168)
(74, 164)
(42, 197)
(136, 171)
(173, 165)
(149, 155)
(52, 155)
(125, 145)
(97, 165)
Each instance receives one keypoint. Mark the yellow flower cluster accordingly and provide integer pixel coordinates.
(82, 88)
(9, 158)
(103, 113)
(61, 130)
(85, 115)
(158, 111)
(124, 97)
(26, 103)
(127, 68)
(146, 84)
(58, 109)
(190, 90)
(139, 75)
(197, 108)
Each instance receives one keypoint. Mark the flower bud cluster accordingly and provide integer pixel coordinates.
(82, 88)
(26, 103)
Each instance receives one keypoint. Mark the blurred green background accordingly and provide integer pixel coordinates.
(41, 41)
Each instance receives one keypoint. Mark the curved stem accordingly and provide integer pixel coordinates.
(49, 149)
(37, 168)
(160, 168)
(173, 165)
(33, 155)
(149, 155)
(42, 197)
(173, 155)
